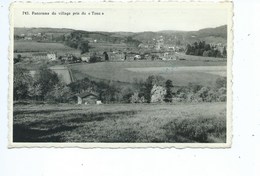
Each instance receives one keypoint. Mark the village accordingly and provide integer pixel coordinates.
(101, 48)
(60, 51)
(150, 51)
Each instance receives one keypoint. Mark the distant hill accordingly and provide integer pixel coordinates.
(220, 31)
(209, 35)
(26, 31)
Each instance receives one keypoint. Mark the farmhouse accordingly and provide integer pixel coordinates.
(166, 55)
(51, 56)
(85, 57)
(116, 55)
(44, 55)
(40, 56)
(67, 58)
(88, 98)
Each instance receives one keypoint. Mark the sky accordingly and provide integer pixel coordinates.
(131, 17)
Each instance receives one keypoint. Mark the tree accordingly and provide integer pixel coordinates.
(148, 85)
(83, 46)
(157, 94)
(221, 82)
(224, 53)
(35, 91)
(60, 93)
(22, 80)
(207, 47)
(18, 59)
(203, 93)
(134, 98)
(47, 79)
(106, 56)
(188, 49)
(168, 95)
(82, 85)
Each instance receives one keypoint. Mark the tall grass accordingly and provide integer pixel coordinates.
(204, 122)
(201, 129)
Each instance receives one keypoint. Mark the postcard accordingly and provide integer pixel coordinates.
(121, 75)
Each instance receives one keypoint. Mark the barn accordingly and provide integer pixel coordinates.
(88, 98)
(85, 57)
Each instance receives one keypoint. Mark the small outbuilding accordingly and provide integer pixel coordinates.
(88, 98)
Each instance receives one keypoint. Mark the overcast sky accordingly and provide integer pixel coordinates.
(125, 16)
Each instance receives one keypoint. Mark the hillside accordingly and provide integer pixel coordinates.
(209, 35)
(26, 31)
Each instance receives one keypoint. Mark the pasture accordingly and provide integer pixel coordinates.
(198, 58)
(205, 122)
(63, 73)
(180, 72)
(29, 47)
(96, 47)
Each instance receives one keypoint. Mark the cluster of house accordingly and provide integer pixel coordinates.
(153, 55)
(161, 44)
(111, 56)
(219, 46)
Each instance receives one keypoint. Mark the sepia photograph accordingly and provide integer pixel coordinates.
(120, 75)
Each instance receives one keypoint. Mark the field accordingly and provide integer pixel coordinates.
(204, 122)
(63, 72)
(33, 46)
(95, 47)
(180, 72)
(197, 58)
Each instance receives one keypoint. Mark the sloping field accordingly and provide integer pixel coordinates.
(215, 70)
(180, 72)
(33, 46)
(106, 46)
(198, 58)
(63, 73)
(204, 122)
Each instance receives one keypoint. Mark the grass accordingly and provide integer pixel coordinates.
(198, 58)
(63, 72)
(107, 46)
(29, 47)
(120, 123)
(123, 71)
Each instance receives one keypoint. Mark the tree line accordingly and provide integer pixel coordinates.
(75, 40)
(201, 48)
(47, 86)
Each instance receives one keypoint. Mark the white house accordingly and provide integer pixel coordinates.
(85, 57)
(52, 56)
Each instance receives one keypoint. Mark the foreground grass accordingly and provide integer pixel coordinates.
(120, 123)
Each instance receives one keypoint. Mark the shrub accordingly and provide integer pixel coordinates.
(221, 82)
(135, 98)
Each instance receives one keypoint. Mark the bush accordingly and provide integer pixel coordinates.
(94, 59)
(135, 98)
(221, 82)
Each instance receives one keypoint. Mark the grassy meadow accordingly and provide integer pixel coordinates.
(33, 46)
(205, 122)
(180, 72)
